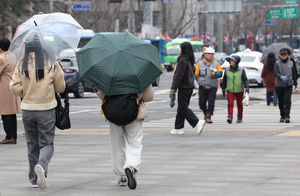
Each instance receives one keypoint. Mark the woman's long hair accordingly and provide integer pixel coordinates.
(271, 60)
(34, 52)
(187, 52)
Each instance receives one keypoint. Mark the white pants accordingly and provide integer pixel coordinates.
(126, 145)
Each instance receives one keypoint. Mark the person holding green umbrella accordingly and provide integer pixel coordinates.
(126, 142)
(122, 64)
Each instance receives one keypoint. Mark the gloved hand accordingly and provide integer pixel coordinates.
(284, 78)
(223, 92)
(172, 97)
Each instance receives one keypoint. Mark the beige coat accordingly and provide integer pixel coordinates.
(9, 103)
(146, 96)
(38, 95)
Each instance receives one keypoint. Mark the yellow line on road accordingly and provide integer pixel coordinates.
(288, 133)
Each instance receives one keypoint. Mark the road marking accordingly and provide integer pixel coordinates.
(290, 134)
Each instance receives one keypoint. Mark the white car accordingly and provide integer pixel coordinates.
(250, 61)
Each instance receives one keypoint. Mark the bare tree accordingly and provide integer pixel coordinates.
(180, 15)
(101, 18)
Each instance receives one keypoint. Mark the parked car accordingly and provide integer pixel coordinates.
(250, 61)
(70, 68)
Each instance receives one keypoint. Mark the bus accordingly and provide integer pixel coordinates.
(172, 51)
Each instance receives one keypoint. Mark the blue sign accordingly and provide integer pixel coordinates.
(270, 22)
(81, 6)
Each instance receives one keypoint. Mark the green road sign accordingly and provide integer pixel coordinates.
(282, 13)
(290, 2)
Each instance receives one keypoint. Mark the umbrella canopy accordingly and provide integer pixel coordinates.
(47, 34)
(118, 63)
(275, 47)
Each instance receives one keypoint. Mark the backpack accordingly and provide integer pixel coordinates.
(120, 109)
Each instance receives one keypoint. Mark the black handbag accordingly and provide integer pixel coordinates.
(62, 113)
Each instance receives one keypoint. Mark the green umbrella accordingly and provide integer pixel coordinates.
(118, 63)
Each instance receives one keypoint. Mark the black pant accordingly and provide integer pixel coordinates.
(183, 112)
(10, 125)
(284, 95)
(207, 95)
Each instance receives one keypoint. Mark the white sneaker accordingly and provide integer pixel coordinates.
(34, 186)
(41, 180)
(200, 126)
(177, 132)
(122, 181)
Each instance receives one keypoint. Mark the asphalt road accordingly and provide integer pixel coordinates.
(257, 157)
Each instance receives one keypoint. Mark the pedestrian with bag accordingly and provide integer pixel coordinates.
(126, 135)
(37, 80)
(208, 71)
(269, 78)
(183, 80)
(9, 103)
(235, 81)
(286, 77)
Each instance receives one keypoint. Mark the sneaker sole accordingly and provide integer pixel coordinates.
(178, 133)
(131, 179)
(41, 180)
(122, 184)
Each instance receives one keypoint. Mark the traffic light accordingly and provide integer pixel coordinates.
(115, 1)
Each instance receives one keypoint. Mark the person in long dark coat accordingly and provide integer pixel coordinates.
(269, 78)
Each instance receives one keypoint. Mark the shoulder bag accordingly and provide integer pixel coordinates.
(62, 113)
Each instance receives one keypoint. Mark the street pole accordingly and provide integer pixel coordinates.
(220, 31)
(163, 17)
(197, 20)
(131, 25)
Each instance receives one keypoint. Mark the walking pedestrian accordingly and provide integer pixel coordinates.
(183, 80)
(208, 71)
(9, 103)
(37, 85)
(203, 53)
(126, 142)
(286, 77)
(235, 81)
(269, 78)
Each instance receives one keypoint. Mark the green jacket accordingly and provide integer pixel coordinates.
(235, 80)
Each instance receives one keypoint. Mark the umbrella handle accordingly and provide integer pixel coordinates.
(96, 92)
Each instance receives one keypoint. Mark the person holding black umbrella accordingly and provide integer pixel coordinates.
(286, 77)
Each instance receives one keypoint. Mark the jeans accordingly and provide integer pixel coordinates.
(39, 131)
(269, 94)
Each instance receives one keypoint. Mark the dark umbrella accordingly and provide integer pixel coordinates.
(118, 63)
(275, 47)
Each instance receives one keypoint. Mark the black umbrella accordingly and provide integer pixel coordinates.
(275, 47)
